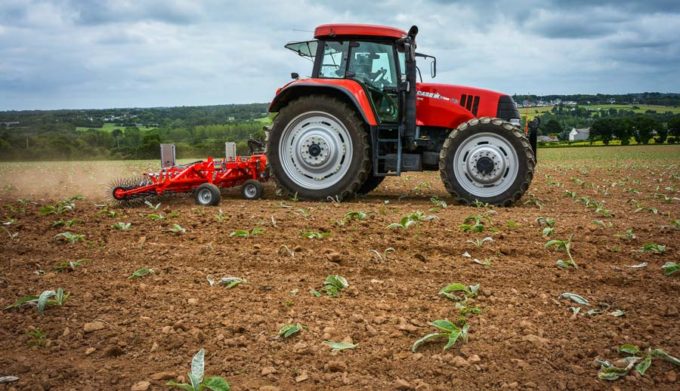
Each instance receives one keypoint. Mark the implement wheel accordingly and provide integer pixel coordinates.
(207, 194)
(488, 160)
(252, 189)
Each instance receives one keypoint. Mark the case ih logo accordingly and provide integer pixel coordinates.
(435, 95)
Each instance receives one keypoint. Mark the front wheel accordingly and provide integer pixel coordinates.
(318, 148)
(487, 160)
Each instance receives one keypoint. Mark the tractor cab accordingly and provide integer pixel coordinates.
(374, 56)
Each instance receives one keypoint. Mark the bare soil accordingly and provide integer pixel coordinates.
(525, 337)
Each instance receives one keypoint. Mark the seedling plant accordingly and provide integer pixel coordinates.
(446, 330)
(562, 245)
(244, 233)
(289, 330)
(633, 359)
(196, 380)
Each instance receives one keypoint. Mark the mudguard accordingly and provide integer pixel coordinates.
(349, 89)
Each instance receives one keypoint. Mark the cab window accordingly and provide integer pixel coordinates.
(333, 62)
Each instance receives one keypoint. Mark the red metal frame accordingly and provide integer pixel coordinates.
(366, 30)
(185, 178)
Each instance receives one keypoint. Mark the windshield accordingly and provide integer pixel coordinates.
(373, 63)
(306, 49)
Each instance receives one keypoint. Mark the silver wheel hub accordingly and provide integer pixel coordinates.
(315, 150)
(205, 196)
(250, 191)
(486, 164)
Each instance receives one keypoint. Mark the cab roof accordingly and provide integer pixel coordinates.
(365, 30)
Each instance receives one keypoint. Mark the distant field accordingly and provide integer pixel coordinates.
(108, 127)
(531, 112)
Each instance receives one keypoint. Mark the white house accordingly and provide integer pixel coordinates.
(579, 134)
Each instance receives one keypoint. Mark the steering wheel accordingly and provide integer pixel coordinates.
(380, 75)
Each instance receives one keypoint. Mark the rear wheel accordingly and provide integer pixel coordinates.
(318, 148)
(488, 160)
(370, 184)
(207, 194)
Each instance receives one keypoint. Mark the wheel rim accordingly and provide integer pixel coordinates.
(205, 196)
(250, 191)
(315, 150)
(486, 164)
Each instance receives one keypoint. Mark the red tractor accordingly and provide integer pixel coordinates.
(362, 116)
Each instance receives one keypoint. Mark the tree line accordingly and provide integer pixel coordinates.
(129, 133)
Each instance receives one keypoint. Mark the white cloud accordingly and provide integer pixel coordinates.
(77, 54)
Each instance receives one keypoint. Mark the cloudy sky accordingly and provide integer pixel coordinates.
(144, 53)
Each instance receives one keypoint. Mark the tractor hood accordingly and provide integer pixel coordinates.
(445, 105)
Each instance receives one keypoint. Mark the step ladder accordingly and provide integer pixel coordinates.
(386, 147)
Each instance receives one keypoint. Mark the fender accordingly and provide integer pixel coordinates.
(348, 89)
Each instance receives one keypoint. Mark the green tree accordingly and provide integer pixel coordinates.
(552, 127)
(622, 129)
(674, 128)
(644, 126)
(602, 129)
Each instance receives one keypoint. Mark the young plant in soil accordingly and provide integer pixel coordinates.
(653, 248)
(438, 204)
(46, 298)
(628, 235)
(196, 380)
(352, 215)
(446, 330)
(382, 257)
(609, 371)
(289, 330)
(69, 237)
(64, 223)
(480, 242)
(315, 234)
(670, 268)
(333, 284)
(410, 220)
(121, 226)
(457, 291)
(338, 346)
(38, 338)
(244, 233)
(473, 223)
(152, 206)
(562, 245)
(177, 229)
(68, 266)
(139, 273)
(155, 216)
(549, 225)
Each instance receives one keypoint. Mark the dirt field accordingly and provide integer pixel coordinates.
(114, 332)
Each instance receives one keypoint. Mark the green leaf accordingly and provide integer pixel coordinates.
(667, 357)
(197, 368)
(290, 330)
(427, 338)
(139, 273)
(445, 325)
(42, 300)
(216, 383)
(611, 373)
(240, 233)
(231, 282)
(315, 293)
(182, 386)
(337, 346)
(575, 298)
(629, 349)
(453, 337)
(643, 365)
(22, 300)
(670, 268)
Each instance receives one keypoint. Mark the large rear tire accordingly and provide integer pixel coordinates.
(487, 160)
(318, 148)
(370, 184)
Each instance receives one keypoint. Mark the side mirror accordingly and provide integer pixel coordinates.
(433, 68)
(294, 75)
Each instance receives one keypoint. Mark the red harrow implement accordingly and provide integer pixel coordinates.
(203, 178)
